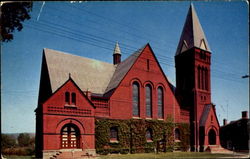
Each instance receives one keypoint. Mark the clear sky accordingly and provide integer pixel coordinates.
(91, 29)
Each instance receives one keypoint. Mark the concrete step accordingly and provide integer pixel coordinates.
(218, 149)
(75, 155)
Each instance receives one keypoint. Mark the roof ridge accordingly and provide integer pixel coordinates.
(67, 53)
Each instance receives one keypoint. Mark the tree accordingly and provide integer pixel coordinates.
(8, 141)
(12, 14)
(23, 139)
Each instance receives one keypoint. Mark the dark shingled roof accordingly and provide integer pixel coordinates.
(122, 69)
(205, 113)
(89, 74)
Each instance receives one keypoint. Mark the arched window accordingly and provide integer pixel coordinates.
(149, 135)
(177, 134)
(73, 98)
(136, 99)
(160, 102)
(70, 136)
(67, 97)
(113, 134)
(148, 101)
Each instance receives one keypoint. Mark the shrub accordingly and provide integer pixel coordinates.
(132, 136)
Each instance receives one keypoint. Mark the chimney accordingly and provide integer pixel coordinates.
(224, 122)
(244, 114)
(117, 54)
(88, 94)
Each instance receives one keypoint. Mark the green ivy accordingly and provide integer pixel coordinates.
(132, 136)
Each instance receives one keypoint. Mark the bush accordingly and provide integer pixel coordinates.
(8, 141)
(131, 136)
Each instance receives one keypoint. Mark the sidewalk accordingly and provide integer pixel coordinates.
(238, 155)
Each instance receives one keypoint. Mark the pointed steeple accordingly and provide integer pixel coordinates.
(116, 54)
(192, 34)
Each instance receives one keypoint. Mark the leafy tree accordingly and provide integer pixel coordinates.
(8, 141)
(23, 139)
(12, 14)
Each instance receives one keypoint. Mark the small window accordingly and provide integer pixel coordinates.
(113, 134)
(67, 97)
(149, 135)
(73, 98)
(148, 64)
(177, 134)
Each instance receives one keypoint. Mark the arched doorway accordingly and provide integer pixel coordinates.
(211, 137)
(70, 136)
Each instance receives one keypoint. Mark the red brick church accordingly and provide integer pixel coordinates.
(77, 93)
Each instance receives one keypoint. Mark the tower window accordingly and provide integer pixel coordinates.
(67, 97)
(199, 77)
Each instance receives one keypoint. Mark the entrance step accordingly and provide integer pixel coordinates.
(218, 149)
(73, 155)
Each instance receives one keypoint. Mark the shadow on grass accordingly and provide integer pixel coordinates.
(169, 155)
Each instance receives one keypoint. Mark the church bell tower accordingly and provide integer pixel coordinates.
(192, 62)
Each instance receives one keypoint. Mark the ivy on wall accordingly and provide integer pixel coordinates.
(132, 136)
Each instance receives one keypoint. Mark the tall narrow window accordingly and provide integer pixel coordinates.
(135, 99)
(67, 97)
(202, 78)
(160, 102)
(148, 101)
(206, 77)
(199, 78)
(73, 98)
(147, 64)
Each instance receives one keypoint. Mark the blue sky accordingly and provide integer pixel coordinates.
(91, 29)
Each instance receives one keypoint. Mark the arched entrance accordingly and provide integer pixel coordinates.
(70, 136)
(212, 137)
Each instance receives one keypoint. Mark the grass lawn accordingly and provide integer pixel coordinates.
(167, 155)
(19, 157)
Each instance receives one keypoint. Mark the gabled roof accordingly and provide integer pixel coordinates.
(89, 74)
(205, 113)
(192, 34)
(77, 87)
(204, 116)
